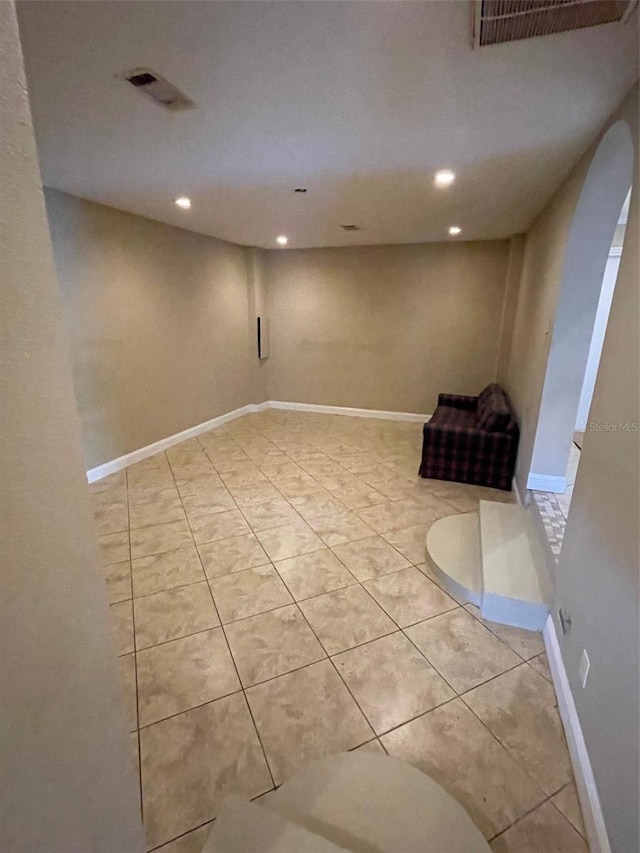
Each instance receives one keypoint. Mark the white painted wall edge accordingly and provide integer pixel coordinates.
(585, 780)
(516, 491)
(547, 483)
(100, 471)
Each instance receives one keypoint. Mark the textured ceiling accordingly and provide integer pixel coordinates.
(359, 102)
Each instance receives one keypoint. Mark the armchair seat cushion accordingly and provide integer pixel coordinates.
(472, 439)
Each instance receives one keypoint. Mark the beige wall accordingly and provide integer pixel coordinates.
(598, 573)
(160, 324)
(385, 327)
(66, 773)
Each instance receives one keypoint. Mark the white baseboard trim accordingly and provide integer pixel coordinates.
(165, 443)
(349, 412)
(516, 491)
(547, 483)
(100, 471)
(585, 780)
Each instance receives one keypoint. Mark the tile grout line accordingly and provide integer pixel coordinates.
(224, 634)
(135, 657)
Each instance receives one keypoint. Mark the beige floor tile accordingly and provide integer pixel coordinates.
(280, 468)
(111, 517)
(154, 478)
(312, 506)
(191, 842)
(203, 483)
(458, 752)
(259, 493)
(409, 541)
(245, 474)
(543, 831)
(519, 708)
(194, 468)
(122, 627)
(232, 555)
(526, 644)
(314, 574)
(409, 597)
(114, 547)
(346, 618)
(248, 593)
(290, 540)
(208, 503)
(271, 644)
(275, 513)
(181, 674)
(428, 572)
(391, 681)
(166, 571)
(541, 666)
(361, 497)
(118, 578)
(566, 801)
(160, 538)
(220, 525)
(340, 528)
(301, 484)
(165, 507)
(174, 613)
(398, 515)
(191, 762)
(370, 558)
(127, 672)
(228, 459)
(147, 493)
(463, 651)
(304, 715)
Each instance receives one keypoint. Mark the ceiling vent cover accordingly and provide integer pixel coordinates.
(498, 21)
(161, 92)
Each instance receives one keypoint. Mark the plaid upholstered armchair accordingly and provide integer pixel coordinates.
(472, 439)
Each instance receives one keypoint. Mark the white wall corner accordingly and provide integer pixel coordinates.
(547, 483)
(585, 780)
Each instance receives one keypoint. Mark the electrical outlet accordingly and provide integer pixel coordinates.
(585, 665)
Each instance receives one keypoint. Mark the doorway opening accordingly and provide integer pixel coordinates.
(591, 261)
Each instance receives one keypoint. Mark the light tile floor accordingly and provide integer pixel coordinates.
(270, 604)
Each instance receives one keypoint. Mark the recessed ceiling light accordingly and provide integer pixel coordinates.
(454, 230)
(282, 240)
(444, 178)
(183, 202)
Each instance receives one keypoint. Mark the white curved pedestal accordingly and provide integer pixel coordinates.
(357, 802)
(452, 548)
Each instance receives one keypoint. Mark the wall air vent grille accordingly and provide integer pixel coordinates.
(498, 21)
(161, 92)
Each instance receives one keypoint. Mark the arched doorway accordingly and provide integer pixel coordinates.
(592, 230)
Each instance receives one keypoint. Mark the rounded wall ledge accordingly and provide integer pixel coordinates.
(452, 549)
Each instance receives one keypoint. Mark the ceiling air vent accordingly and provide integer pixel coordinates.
(350, 227)
(498, 21)
(160, 91)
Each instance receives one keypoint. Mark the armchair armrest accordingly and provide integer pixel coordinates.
(458, 401)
